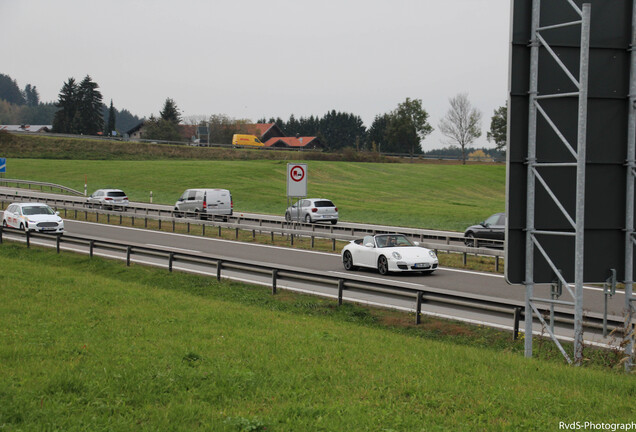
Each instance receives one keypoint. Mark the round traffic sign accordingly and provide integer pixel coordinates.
(297, 173)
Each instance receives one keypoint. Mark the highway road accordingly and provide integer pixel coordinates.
(452, 280)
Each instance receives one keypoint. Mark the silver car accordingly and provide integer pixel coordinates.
(312, 210)
(108, 198)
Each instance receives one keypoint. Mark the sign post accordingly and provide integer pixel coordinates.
(296, 183)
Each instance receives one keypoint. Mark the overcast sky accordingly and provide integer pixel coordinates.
(255, 58)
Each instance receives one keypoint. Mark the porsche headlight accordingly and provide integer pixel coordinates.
(397, 255)
(432, 254)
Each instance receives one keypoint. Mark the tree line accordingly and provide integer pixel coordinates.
(23, 106)
(80, 110)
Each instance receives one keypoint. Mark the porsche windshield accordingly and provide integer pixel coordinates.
(392, 240)
(37, 210)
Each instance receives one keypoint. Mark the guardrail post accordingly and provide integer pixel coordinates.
(236, 235)
(517, 318)
(253, 234)
(220, 234)
(292, 239)
(170, 259)
(188, 227)
(274, 280)
(132, 220)
(497, 264)
(85, 215)
(312, 242)
(272, 234)
(159, 223)
(464, 258)
(173, 225)
(203, 230)
(418, 307)
(28, 239)
(91, 247)
(128, 252)
(146, 222)
(219, 266)
(333, 244)
(57, 243)
(121, 219)
(340, 290)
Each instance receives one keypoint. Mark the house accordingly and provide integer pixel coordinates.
(264, 131)
(26, 128)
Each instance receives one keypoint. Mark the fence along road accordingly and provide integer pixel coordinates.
(322, 275)
(434, 239)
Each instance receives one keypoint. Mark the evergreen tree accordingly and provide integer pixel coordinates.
(112, 118)
(9, 90)
(31, 95)
(67, 104)
(170, 112)
(90, 117)
(377, 136)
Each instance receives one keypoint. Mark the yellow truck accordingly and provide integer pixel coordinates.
(246, 140)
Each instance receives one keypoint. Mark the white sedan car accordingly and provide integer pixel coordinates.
(33, 217)
(389, 253)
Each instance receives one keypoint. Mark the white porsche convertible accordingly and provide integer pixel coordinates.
(389, 253)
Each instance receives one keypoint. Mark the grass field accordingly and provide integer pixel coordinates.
(449, 197)
(93, 345)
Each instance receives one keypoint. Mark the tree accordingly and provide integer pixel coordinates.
(67, 105)
(89, 119)
(499, 128)
(9, 90)
(407, 127)
(377, 133)
(112, 118)
(31, 95)
(161, 129)
(170, 112)
(462, 123)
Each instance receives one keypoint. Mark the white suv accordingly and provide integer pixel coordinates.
(108, 198)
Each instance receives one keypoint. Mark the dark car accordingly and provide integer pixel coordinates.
(490, 232)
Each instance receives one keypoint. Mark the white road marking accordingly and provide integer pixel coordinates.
(173, 248)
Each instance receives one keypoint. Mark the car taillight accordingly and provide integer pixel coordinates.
(205, 204)
(126, 199)
(314, 210)
(108, 199)
(232, 204)
(335, 208)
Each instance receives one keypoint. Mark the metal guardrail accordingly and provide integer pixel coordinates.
(280, 272)
(414, 233)
(30, 183)
(293, 230)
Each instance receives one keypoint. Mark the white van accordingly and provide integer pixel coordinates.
(206, 202)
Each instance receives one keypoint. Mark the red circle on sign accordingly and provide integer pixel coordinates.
(297, 173)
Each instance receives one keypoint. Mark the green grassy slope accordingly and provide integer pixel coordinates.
(417, 195)
(93, 345)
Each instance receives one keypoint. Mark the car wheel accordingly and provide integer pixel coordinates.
(347, 261)
(4, 224)
(469, 240)
(287, 217)
(333, 222)
(383, 265)
(307, 219)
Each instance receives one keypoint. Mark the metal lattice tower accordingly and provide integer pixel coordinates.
(535, 179)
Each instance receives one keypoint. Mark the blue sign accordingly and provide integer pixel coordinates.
(3, 165)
